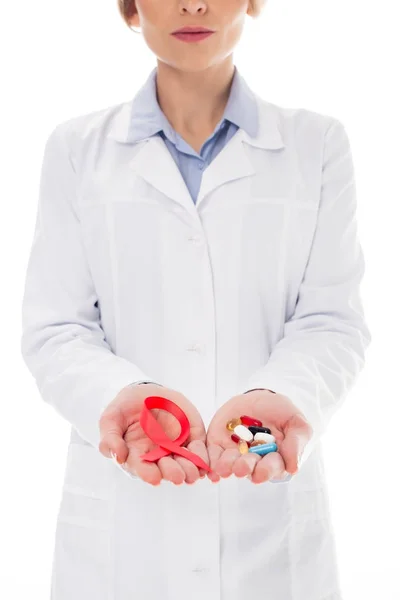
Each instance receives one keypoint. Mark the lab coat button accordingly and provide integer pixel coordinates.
(195, 348)
(196, 239)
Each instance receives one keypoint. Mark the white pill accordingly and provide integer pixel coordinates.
(265, 437)
(244, 433)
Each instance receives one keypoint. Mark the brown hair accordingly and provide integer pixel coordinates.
(127, 8)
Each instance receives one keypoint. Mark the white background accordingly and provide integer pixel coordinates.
(63, 59)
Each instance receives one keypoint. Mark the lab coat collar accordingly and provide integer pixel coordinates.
(148, 119)
(267, 135)
(233, 162)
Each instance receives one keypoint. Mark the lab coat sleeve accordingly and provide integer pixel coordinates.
(63, 343)
(322, 349)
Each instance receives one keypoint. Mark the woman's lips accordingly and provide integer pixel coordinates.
(192, 37)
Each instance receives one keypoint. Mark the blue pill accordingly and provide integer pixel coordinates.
(263, 449)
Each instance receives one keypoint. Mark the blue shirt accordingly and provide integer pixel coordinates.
(147, 119)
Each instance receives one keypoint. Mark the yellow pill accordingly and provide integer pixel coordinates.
(232, 424)
(243, 447)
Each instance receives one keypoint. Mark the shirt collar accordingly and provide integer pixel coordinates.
(147, 118)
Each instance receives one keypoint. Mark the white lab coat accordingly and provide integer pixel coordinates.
(255, 286)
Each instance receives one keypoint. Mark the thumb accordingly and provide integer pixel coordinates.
(298, 433)
(112, 437)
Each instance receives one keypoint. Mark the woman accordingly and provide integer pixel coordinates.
(202, 239)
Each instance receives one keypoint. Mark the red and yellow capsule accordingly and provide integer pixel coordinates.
(237, 439)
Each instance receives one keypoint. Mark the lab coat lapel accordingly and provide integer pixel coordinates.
(154, 163)
(230, 164)
(234, 162)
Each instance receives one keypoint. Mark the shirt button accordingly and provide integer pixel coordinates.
(201, 166)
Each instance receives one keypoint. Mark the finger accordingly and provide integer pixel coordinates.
(214, 452)
(197, 432)
(124, 467)
(171, 470)
(245, 465)
(148, 471)
(270, 466)
(225, 462)
(192, 472)
(298, 433)
(112, 441)
(199, 447)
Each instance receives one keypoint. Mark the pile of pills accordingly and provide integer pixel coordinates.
(251, 436)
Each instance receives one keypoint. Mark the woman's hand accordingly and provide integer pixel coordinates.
(288, 425)
(122, 435)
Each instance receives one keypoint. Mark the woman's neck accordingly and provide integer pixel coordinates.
(194, 102)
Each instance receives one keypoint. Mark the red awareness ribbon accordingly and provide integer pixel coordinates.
(155, 432)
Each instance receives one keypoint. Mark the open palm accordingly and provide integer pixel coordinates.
(122, 420)
(287, 424)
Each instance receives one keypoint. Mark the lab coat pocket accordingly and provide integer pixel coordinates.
(81, 566)
(88, 487)
(309, 504)
(308, 491)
